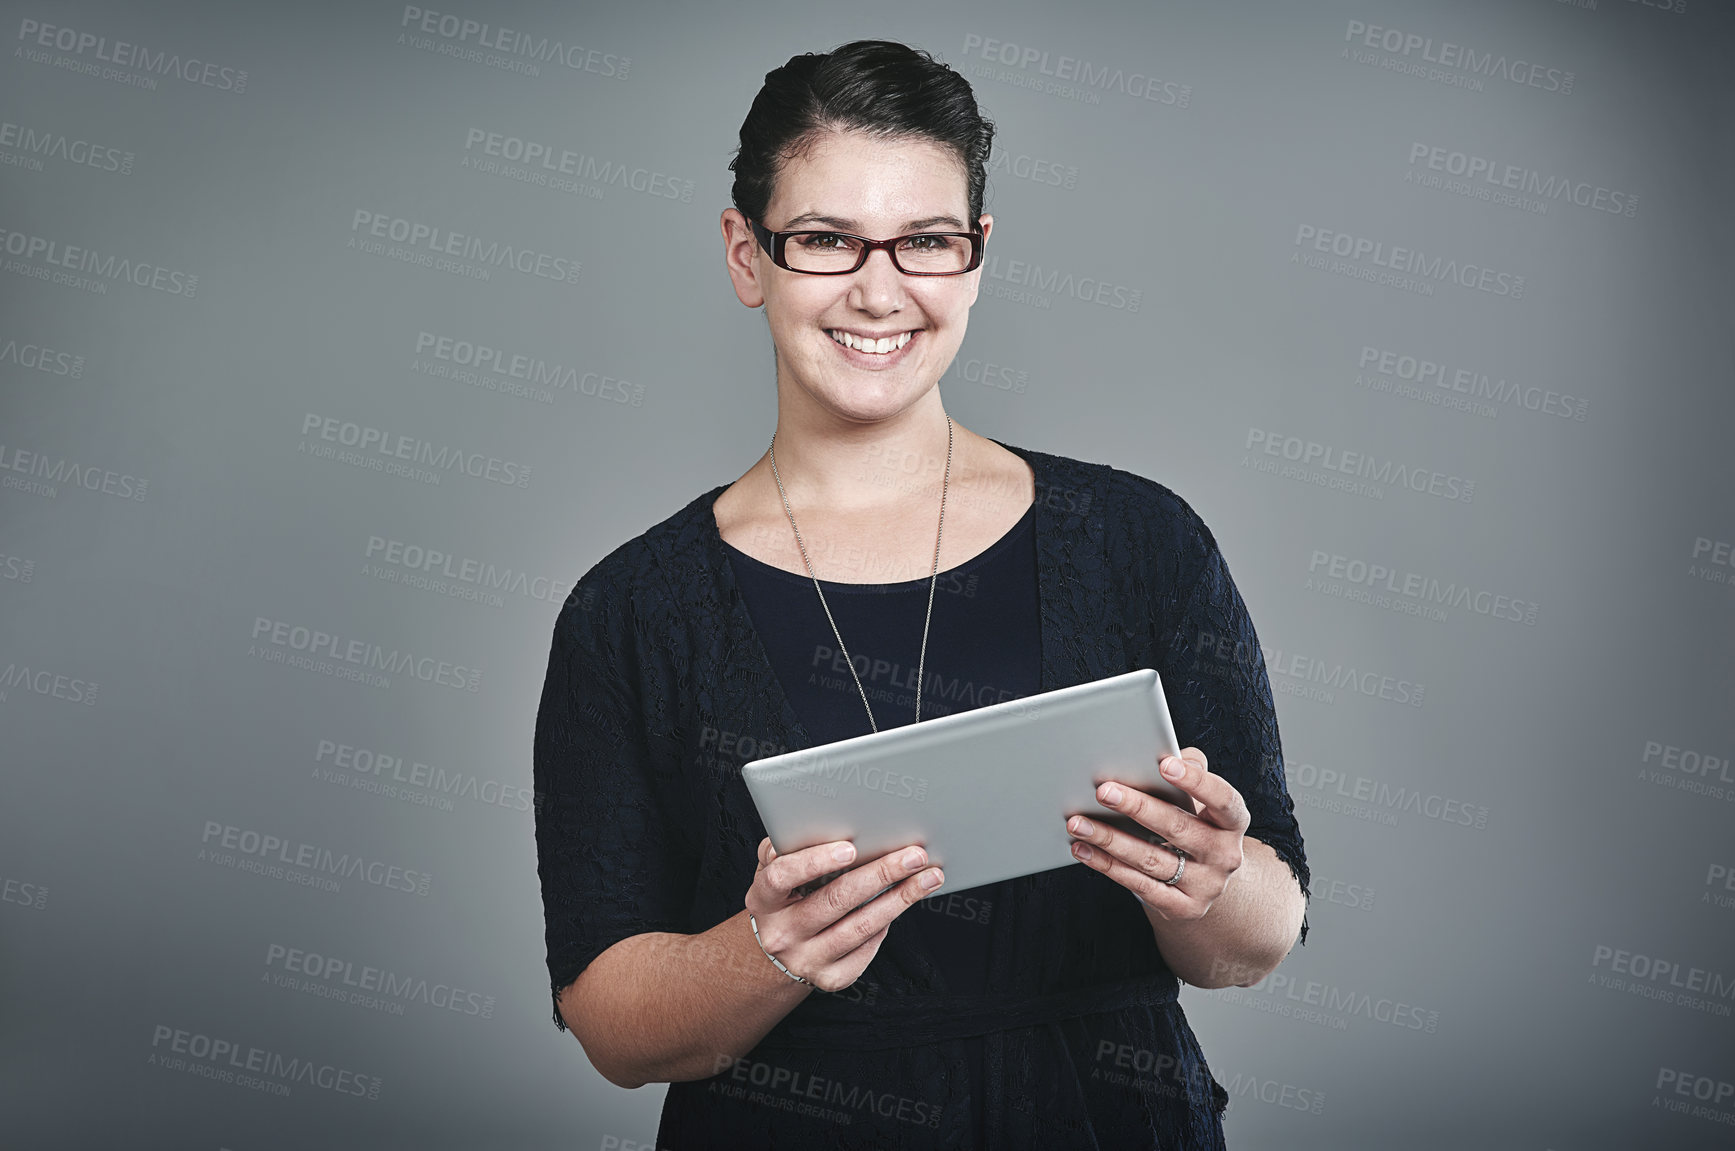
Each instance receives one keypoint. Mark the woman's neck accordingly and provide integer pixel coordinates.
(828, 462)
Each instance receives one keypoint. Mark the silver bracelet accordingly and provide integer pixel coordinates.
(768, 954)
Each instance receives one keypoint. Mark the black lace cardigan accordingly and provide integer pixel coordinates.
(658, 688)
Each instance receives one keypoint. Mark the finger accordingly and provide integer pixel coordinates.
(1171, 901)
(1156, 860)
(784, 873)
(842, 972)
(862, 924)
(1172, 823)
(1219, 803)
(861, 884)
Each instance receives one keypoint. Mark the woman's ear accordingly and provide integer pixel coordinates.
(740, 246)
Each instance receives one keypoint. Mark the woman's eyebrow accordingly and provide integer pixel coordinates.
(843, 225)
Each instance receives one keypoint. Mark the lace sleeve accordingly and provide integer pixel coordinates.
(610, 851)
(1220, 698)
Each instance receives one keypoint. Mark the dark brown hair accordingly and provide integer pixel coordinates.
(872, 85)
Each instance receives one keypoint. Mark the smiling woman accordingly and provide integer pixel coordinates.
(681, 947)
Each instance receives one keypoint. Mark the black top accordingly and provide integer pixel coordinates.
(660, 685)
(984, 646)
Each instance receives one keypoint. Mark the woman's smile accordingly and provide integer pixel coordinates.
(872, 351)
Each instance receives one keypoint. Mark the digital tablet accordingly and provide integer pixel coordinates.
(986, 792)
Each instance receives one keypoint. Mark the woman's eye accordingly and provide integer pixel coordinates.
(929, 243)
(822, 240)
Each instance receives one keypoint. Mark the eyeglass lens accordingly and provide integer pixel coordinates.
(833, 252)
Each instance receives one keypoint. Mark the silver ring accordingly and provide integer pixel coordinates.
(1180, 866)
(773, 958)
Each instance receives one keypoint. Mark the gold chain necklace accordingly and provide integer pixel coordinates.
(933, 580)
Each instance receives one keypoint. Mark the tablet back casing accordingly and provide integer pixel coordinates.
(987, 792)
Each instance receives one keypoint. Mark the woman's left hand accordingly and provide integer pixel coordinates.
(1210, 839)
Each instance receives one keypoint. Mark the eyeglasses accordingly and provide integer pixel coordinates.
(839, 253)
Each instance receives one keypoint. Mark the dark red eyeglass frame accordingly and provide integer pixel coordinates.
(773, 243)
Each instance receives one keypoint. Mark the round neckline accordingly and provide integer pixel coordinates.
(999, 545)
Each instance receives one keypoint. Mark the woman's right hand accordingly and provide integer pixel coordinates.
(830, 935)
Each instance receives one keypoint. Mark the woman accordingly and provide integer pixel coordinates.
(784, 1012)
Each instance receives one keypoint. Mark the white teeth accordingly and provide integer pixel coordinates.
(873, 347)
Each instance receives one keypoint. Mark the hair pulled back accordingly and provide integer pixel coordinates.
(878, 86)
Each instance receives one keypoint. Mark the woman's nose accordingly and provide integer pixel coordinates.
(879, 286)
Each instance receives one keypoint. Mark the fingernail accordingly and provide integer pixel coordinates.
(1173, 767)
(931, 880)
(1082, 850)
(913, 858)
(843, 852)
(1081, 826)
(1111, 795)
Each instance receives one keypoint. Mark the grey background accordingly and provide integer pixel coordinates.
(113, 927)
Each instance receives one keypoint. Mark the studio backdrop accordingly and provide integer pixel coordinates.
(337, 340)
